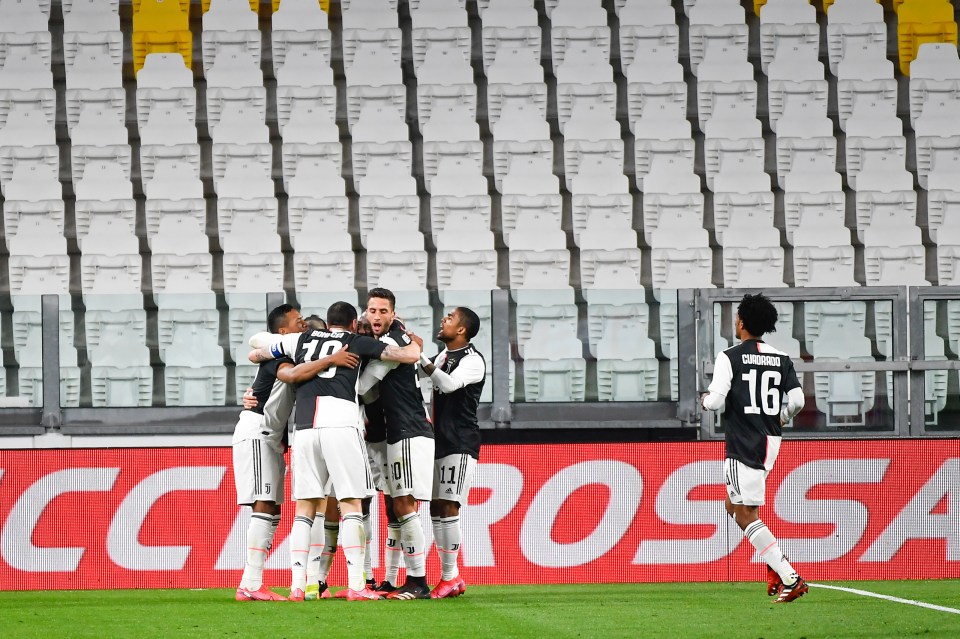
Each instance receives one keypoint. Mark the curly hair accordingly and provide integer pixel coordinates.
(758, 314)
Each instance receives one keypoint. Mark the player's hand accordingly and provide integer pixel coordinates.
(416, 339)
(345, 358)
(249, 400)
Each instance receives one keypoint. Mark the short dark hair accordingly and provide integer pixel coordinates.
(315, 322)
(383, 293)
(341, 314)
(758, 314)
(363, 326)
(277, 317)
(469, 320)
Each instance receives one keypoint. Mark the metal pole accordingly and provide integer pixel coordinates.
(500, 412)
(51, 417)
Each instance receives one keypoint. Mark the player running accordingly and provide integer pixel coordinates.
(749, 381)
(259, 442)
(410, 444)
(458, 373)
(328, 446)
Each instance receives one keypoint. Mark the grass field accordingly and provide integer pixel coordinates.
(739, 610)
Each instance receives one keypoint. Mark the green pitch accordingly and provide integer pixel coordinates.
(739, 610)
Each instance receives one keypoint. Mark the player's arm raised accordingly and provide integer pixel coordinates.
(306, 370)
(471, 370)
(268, 346)
(408, 354)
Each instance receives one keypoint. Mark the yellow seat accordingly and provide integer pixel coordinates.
(922, 21)
(324, 4)
(254, 5)
(184, 5)
(829, 3)
(161, 27)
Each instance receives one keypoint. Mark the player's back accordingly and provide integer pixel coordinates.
(330, 397)
(400, 395)
(760, 376)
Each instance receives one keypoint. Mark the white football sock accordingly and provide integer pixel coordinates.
(316, 549)
(274, 524)
(258, 534)
(367, 548)
(411, 538)
(299, 550)
(451, 547)
(393, 554)
(354, 541)
(331, 531)
(766, 544)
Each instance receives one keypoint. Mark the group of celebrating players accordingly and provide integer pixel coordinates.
(352, 384)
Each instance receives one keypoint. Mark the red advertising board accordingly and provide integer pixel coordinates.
(147, 518)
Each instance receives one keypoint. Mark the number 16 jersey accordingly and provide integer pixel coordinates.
(754, 377)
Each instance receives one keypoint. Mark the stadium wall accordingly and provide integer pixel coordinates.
(847, 509)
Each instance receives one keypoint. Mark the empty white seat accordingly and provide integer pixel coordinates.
(872, 137)
(299, 26)
(370, 22)
(105, 204)
(514, 77)
(120, 373)
(937, 136)
(23, 28)
(935, 73)
(169, 134)
(466, 260)
(741, 196)
(822, 258)
(554, 369)
(520, 132)
(854, 23)
(591, 133)
(787, 23)
(544, 311)
(814, 198)
(242, 135)
(507, 25)
(324, 266)
(943, 196)
(374, 78)
(26, 81)
(885, 195)
(165, 79)
(585, 79)
(627, 366)
(389, 204)
(26, 138)
(894, 256)
(609, 260)
(437, 22)
(229, 25)
(234, 78)
(310, 134)
(98, 135)
(451, 132)
(445, 78)
(804, 132)
(380, 133)
(711, 23)
(680, 258)
(672, 197)
(752, 256)
(795, 77)
(575, 24)
(459, 195)
(600, 196)
(660, 137)
(644, 28)
(305, 80)
(867, 77)
(724, 77)
(397, 270)
(94, 79)
(531, 200)
(34, 197)
(655, 86)
(731, 140)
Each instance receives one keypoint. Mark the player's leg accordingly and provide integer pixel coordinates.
(392, 551)
(317, 585)
(368, 547)
(255, 470)
(310, 478)
(411, 467)
(345, 457)
(453, 475)
(746, 489)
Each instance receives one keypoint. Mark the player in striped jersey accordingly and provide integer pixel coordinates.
(259, 442)
(458, 373)
(749, 382)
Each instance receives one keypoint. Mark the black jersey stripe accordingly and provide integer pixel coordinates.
(463, 471)
(369, 477)
(257, 484)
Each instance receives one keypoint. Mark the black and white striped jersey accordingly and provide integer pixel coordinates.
(400, 396)
(274, 403)
(455, 412)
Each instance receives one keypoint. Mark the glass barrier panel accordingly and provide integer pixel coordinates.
(828, 331)
(941, 342)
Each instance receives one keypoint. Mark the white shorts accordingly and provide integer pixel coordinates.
(410, 468)
(377, 456)
(746, 486)
(258, 471)
(452, 477)
(330, 458)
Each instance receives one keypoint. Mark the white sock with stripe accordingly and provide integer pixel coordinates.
(766, 544)
(316, 549)
(299, 550)
(331, 532)
(354, 541)
(450, 551)
(393, 554)
(274, 524)
(411, 538)
(367, 548)
(258, 545)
